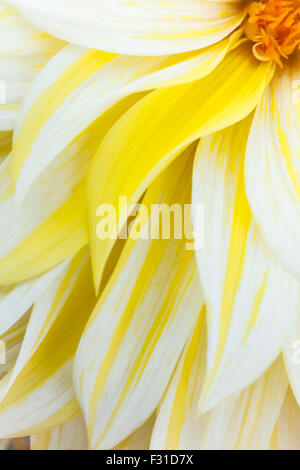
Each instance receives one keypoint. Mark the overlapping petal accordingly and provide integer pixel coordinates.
(38, 393)
(139, 439)
(273, 166)
(252, 302)
(140, 324)
(244, 420)
(69, 436)
(154, 131)
(143, 27)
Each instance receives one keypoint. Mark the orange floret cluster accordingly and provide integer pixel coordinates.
(274, 26)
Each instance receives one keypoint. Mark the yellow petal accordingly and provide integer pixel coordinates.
(77, 87)
(142, 27)
(286, 435)
(154, 131)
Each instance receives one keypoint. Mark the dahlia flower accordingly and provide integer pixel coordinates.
(141, 343)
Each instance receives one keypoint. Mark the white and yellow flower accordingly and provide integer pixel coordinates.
(146, 344)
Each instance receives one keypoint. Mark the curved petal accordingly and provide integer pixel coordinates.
(12, 340)
(4, 444)
(155, 130)
(38, 393)
(24, 50)
(77, 87)
(69, 436)
(140, 324)
(286, 435)
(143, 27)
(273, 167)
(17, 299)
(252, 302)
(242, 421)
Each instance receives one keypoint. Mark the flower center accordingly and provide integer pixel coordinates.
(274, 26)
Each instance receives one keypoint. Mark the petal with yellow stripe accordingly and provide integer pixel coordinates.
(79, 85)
(140, 324)
(38, 393)
(251, 300)
(11, 342)
(286, 435)
(245, 420)
(273, 166)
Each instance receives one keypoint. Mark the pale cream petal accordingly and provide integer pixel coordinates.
(69, 436)
(24, 51)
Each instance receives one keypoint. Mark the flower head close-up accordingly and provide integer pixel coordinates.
(150, 224)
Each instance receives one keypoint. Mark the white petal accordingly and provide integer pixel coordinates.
(244, 420)
(273, 167)
(251, 300)
(38, 393)
(69, 436)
